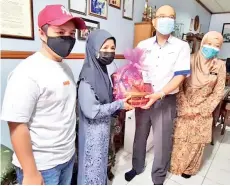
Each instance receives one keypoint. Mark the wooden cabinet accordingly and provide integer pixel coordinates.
(194, 41)
(142, 31)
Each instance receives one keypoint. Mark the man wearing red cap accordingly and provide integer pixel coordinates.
(39, 104)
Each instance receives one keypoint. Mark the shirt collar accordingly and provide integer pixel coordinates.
(170, 39)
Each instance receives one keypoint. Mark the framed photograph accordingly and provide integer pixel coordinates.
(91, 25)
(78, 6)
(98, 8)
(115, 3)
(226, 32)
(128, 8)
(17, 19)
(196, 23)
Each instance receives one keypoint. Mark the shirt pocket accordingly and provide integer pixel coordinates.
(170, 59)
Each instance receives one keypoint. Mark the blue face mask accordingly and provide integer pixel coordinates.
(209, 52)
(165, 25)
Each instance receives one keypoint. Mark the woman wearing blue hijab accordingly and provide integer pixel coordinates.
(95, 108)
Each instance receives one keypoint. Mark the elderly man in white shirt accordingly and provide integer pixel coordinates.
(168, 59)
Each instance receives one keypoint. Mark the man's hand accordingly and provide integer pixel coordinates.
(33, 179)
(21, 141)
(152, 99)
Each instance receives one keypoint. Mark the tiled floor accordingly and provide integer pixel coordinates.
(214, 171)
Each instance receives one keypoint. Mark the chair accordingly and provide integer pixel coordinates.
(222, 114)
(216, 115)
(225, 115)
(228, 65)
(227, 80)
(228, 72)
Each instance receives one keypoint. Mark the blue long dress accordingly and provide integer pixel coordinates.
(94, 135)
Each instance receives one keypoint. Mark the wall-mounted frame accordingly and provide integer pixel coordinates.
(195, 26)
(115, 3)
(226, 32)
(91, 25)
(196, 23)
(78, 6)
(128, 8)
(98, 8)
(17, 21)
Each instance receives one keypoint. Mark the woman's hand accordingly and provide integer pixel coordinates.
(126, 105)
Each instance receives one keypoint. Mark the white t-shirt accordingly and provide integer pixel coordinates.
(42, 93)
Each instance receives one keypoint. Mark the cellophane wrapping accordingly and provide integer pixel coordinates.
(128, 80)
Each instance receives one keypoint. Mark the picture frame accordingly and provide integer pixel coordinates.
(90, 26)
(78, 6)
(128, 8)
(115, 3)
(196, 23)
(98, 8)
(226, 32)
(17, 25)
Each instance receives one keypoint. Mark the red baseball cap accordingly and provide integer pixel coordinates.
(57, 15)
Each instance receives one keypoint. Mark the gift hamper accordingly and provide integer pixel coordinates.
(129, 80)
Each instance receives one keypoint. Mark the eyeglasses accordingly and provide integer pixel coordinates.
(163, 16)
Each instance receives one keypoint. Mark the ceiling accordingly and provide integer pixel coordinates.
(216, 6)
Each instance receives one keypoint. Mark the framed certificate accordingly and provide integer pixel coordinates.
(78, 6)
(17, 19)
(128, 8)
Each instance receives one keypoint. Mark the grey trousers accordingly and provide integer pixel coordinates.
(160, 116)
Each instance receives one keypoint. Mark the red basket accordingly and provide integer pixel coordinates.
(138, 99)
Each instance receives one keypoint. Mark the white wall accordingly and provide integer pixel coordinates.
(216, 24)
(185, 11)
